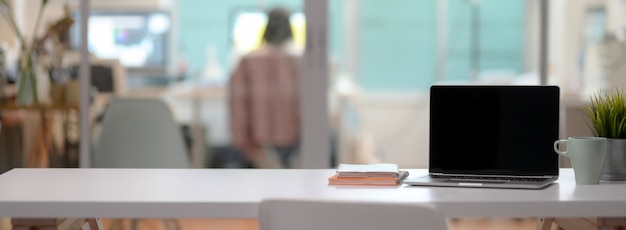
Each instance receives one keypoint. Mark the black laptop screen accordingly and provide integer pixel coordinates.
(500, 130)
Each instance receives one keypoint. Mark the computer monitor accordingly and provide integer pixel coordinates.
(139, 39)
(248, 26)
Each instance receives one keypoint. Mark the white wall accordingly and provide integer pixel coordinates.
(567, 37)
(399, 123)
(7, 32)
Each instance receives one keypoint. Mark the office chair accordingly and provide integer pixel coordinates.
(285, 214)
(140, 133)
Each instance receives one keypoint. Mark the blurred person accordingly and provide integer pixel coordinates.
(264, 96)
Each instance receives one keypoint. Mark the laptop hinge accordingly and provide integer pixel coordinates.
(483, 175)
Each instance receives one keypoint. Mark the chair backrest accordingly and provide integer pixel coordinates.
(284, 214)
(139, 133)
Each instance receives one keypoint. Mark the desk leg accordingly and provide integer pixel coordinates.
(197, 147)
(544, 223)
(172, 224)
(40, 152)
(95, 224)
(576, 223)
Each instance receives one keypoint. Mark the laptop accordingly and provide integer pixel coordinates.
(492, 136)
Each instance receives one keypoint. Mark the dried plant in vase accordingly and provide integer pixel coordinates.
(27, 80)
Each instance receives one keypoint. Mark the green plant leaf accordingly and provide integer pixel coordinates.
(607, 114)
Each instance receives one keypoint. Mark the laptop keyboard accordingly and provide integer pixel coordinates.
(498, 178)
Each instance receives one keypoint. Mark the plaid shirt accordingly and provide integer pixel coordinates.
(264, 100)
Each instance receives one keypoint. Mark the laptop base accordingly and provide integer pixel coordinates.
(430, 181)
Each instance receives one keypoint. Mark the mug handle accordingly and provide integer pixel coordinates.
(556, 147)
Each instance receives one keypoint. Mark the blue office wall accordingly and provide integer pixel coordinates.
(203, 22)
(398, 41)
(397, 49)
(500, 32)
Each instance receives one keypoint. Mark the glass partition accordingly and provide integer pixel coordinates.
(381, 58)
(399, 48)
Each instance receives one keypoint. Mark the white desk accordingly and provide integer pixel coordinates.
(235, 193)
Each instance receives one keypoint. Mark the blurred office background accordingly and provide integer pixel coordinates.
(367, 69)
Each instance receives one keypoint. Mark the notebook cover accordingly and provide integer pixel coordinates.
(336, 180)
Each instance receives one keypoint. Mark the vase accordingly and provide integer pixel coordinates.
(27, 81)
(614, 168)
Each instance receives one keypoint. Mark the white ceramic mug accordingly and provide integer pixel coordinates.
(587, 155)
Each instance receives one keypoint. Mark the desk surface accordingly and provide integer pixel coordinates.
(235, 193)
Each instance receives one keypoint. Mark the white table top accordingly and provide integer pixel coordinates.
(235, 193)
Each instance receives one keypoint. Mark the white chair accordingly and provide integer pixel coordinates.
(139, 133)
(285, 214)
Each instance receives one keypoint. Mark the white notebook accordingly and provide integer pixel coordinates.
(368, 170)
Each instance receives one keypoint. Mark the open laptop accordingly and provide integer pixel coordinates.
(492, 136)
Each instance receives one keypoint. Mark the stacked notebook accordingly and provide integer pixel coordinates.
(368, 174)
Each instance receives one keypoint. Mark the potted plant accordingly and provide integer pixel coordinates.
(607, 115)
